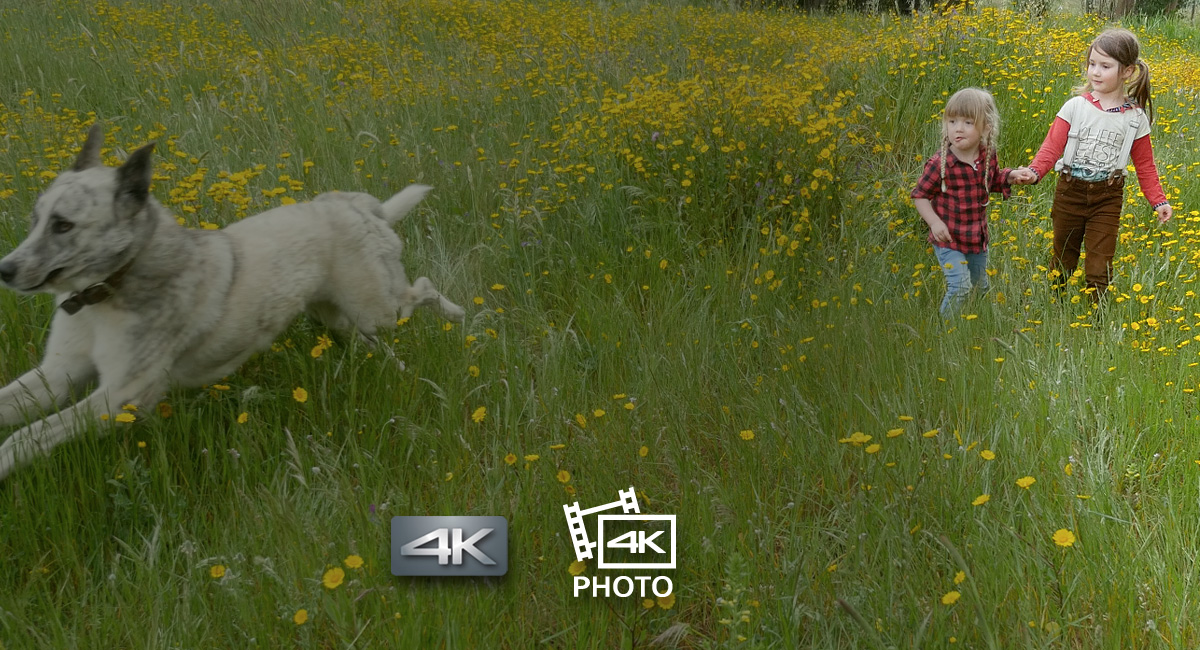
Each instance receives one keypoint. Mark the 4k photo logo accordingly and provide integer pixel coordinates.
(449, 546)
(629, 540)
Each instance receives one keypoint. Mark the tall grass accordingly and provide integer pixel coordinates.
(690, 263)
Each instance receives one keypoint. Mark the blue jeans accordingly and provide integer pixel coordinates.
(963, 271)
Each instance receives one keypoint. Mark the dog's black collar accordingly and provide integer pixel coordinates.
(96, 293)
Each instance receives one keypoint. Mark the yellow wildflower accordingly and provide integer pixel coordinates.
(333, 578)
(1064, 537)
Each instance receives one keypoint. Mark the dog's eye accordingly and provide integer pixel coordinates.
(60, 226)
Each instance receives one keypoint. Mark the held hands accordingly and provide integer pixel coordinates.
(1164, 212)
(1022, 176)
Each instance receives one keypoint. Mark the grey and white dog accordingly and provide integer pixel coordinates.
(144, 303)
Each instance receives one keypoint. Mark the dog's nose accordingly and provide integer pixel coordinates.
(8, 271)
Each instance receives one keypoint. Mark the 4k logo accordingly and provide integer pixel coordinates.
(636, 541)
(449, 546)
(638, 544)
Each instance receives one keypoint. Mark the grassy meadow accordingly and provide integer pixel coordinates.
(684, 241)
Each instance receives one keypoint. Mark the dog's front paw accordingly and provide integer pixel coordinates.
(452, 312)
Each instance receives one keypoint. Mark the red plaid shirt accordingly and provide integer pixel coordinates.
(962, 205)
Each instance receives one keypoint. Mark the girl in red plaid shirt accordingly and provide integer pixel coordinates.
(952, 195)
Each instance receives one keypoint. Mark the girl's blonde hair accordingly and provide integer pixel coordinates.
(1122, 45)
(975, 104)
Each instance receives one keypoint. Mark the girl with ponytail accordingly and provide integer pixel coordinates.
(1093, 139)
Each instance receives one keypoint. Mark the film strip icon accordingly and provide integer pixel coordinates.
(579, 539)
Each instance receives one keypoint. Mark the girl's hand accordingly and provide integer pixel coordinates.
(1022, 176)
(940, 232)
(1164, 212)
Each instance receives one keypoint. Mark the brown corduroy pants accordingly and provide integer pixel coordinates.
(1086, 215)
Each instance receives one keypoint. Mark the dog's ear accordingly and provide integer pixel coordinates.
(89, 156)
(133, 180)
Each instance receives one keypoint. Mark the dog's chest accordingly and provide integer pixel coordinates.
(119, 340)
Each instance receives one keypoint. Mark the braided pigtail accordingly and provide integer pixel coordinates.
(945, 151)
(988, 149)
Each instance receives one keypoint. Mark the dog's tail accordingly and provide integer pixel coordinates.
(403, 202)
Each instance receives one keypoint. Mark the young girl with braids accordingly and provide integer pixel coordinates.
(1092, 139)
(952, 194)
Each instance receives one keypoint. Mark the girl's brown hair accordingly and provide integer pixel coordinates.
(1122, 45)
(975, 104)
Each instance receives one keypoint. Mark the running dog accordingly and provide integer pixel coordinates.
(143, 303)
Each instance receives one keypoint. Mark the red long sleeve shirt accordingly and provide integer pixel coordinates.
(1141, 153)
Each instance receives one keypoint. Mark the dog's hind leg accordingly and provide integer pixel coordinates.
(422, 293)
(375, 345)
(38, 438)
(329, 315)
(344, 327)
